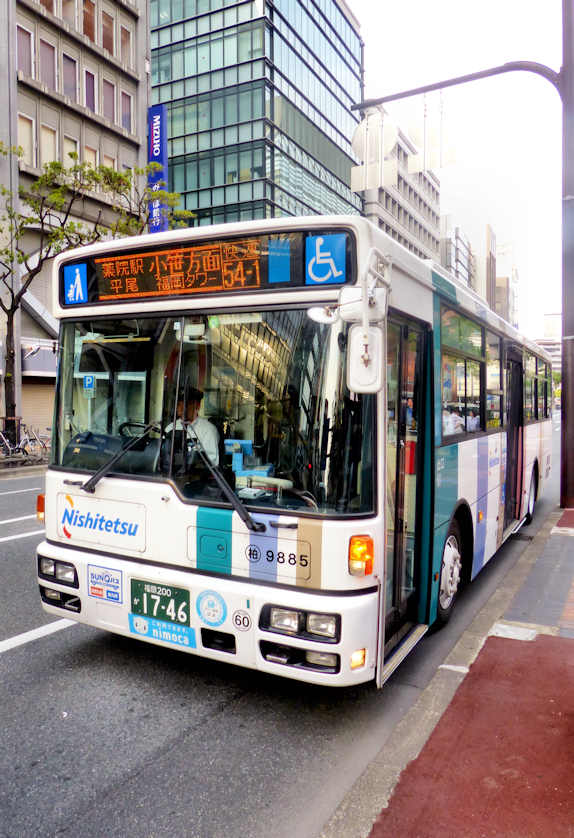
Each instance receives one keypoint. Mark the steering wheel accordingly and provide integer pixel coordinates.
(123, 428)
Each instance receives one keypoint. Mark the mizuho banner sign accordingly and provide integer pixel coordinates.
(157, 153)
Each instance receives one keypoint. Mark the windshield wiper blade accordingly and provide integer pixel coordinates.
(254, 526)
(90, 485)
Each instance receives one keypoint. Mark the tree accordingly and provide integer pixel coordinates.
(63, 208)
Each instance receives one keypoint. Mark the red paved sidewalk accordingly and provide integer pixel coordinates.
(500, 763)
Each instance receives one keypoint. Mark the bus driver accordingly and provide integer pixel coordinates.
(197, 426)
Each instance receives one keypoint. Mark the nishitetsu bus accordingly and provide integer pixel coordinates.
(284, 444)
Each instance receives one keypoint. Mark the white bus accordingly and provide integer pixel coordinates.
(285, 444)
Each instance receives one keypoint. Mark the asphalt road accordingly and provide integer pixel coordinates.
(106, 736)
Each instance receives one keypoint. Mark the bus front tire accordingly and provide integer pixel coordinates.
(450, 573)
(531, 499)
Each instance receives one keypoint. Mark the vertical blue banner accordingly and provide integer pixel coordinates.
(157, 153)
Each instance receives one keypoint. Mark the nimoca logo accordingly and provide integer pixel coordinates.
(75, 519)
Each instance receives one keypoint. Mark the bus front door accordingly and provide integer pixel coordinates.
(514, 410)
(404, 391)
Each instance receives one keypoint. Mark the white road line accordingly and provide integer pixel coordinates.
(22, 535)
(13, 520)
(20, 491)
(28, 636)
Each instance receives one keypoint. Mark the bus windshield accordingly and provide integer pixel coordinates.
(261, 393)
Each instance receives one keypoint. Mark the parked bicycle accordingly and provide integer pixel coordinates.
(30, 444)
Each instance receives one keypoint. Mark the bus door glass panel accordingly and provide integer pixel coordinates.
(403, 407)
(513, 439)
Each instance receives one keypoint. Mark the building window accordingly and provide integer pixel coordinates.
(48, 5)
(108, 32)
(90, 156)
(90, 90)
(25, 51)
(89, 27)
(26, 139)
(48, 147)
(109, 92)
(126, 111)
(48, 64)
(126, 46)
(69, 11)
(109, 161)
(70, 146)
(70, 74)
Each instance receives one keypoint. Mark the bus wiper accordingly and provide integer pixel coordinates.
(90, 485)
(254, 526)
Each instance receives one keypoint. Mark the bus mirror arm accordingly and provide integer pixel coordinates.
(365, 358)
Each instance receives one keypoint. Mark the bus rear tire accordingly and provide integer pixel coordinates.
(450, 573)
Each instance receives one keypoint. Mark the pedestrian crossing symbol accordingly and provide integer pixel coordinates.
(75, 284)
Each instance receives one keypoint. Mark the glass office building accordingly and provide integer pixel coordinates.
(259, 95)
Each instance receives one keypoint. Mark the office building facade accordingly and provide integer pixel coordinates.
(407, 207)
(77, 80)
(258, 96)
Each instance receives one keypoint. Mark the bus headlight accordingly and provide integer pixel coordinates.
(65, 573)
(324, 625)
(283, 619)
(62, 572)
(47, 567)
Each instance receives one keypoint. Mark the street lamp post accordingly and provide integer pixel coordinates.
(564, 84)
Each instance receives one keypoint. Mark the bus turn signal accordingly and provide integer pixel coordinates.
(361, 555)
(40, 504)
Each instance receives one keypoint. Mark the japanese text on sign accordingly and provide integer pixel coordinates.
(219, 266)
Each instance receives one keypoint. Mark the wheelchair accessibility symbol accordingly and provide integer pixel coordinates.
(325, 257)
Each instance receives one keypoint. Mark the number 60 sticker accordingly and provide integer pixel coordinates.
(241, 620)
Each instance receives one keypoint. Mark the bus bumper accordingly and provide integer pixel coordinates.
(325, 638)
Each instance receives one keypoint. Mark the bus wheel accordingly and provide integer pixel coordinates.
(531, 499)
(450, 573)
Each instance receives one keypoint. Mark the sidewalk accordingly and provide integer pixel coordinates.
(500, 761)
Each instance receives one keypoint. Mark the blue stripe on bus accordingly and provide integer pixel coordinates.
(482, 503)
(214, 543)
(259, 544)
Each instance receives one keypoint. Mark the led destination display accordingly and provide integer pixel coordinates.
(263, 262)
(218, 266)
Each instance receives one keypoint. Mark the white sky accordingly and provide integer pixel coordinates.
(506, 131)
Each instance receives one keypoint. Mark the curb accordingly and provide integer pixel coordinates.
(371, 792)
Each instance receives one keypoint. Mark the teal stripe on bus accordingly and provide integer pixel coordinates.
(446, 496)
(214, 542)
(445, 286)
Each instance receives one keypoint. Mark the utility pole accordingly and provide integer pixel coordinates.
(564, 84)
(567, 93)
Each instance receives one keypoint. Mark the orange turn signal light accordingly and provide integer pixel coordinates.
(40, 507)
(361, 555)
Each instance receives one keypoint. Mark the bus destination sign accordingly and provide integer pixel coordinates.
(217, 266)
(272, 261)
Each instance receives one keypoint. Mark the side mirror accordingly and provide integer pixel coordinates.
(365, 359)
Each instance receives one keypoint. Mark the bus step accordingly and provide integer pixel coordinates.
(402, 650)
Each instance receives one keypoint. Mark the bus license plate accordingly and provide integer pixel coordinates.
(164, 602)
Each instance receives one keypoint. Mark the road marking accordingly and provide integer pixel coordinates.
(22, 535)
(28, 636)
(13, 520)
(20, 491)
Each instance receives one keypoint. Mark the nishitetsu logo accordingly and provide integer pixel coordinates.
(75, 519)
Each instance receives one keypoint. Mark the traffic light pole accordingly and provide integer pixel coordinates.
(564, 84)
